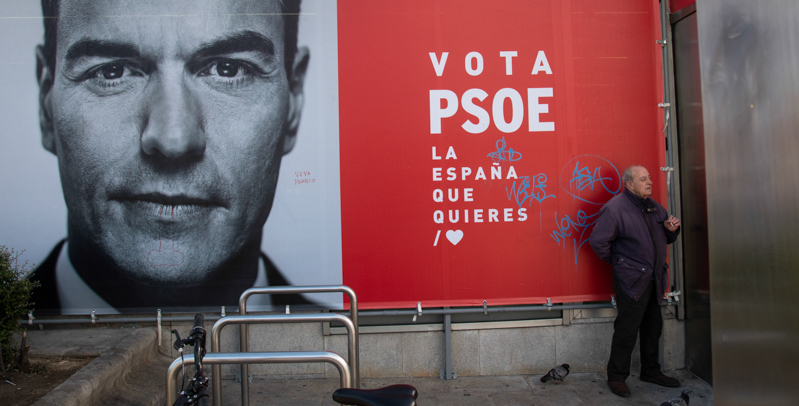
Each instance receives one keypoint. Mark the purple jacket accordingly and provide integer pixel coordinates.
(621, 237)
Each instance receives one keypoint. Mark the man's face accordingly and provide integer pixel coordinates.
(641, 184)
(169, 120)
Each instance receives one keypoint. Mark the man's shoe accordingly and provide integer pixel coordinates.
(662, 380)
(619, 388)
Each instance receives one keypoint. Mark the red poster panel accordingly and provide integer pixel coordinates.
(479, 140)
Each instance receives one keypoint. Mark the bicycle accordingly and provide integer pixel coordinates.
(195, 394)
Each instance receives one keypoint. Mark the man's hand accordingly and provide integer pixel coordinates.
(672, 224)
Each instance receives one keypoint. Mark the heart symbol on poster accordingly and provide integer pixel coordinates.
(454, 236)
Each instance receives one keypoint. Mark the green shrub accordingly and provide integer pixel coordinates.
(15, 294)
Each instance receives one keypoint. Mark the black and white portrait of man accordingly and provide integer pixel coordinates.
(169, 121)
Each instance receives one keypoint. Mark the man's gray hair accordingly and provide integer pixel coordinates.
(627, 176)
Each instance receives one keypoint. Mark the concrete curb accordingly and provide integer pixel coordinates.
(97, 379)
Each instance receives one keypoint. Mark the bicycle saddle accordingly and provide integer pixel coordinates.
(393, 395)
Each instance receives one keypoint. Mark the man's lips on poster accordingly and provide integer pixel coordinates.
(169, 216)
(168, 206)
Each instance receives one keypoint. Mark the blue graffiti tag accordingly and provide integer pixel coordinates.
(501, 155)
(566, 226)
(528, 191)
(583, 178)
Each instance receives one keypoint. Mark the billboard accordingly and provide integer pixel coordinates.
(171, 155)
(479, 143)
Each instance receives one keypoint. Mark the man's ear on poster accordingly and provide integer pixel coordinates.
(45, 79)
(296, 98)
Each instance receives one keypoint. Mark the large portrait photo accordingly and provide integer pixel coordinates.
(171, 154)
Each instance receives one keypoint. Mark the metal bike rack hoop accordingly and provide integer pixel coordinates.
(216, 333)
(283, 290)
(217, 359)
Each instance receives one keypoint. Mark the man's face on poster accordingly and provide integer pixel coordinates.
(169, 120)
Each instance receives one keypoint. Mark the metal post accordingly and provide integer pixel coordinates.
(672, 156)
(158, 325)
(448, 372)
(216, 345)
(668, 129)
(272, 290)
(217, 359)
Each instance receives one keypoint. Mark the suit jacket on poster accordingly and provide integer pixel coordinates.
(46, 297)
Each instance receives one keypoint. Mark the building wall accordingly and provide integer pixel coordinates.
(750, 91)
(584, 344)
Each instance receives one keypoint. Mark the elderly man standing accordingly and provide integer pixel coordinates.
(631, 234)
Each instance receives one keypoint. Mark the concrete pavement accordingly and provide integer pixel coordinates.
(527, 390)
(129, 370)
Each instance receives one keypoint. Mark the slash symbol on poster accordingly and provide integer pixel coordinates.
(454, 236)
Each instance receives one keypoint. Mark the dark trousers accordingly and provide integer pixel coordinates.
(642, 317)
